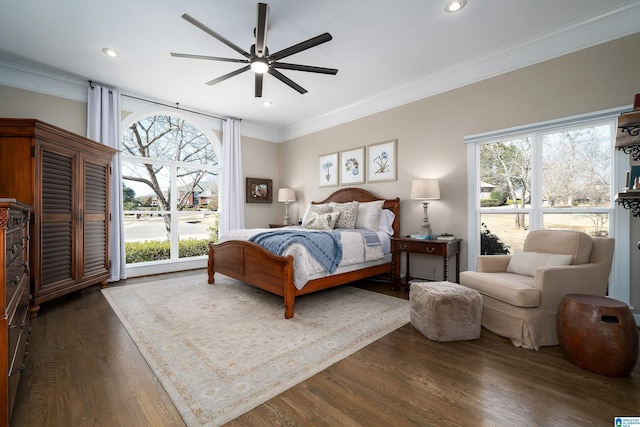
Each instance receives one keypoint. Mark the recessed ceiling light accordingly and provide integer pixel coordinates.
(267, 103)
(455, 5)
(111, 52)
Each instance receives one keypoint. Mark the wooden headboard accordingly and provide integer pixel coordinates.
(351, 194)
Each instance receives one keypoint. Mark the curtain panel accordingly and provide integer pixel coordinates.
(103, 125)
(232, 194)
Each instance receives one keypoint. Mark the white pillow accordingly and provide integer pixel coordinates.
(369, 215)
(325, 221)
(526, 263)
(348, 214)
(386, 221)
(311, 209)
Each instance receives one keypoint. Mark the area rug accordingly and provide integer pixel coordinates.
(221, 350)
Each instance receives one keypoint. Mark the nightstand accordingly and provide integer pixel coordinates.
(443, 248)
(278, 225)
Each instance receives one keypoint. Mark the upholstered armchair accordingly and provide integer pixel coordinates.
(521, 292)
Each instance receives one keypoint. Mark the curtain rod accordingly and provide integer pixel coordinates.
(177, 106)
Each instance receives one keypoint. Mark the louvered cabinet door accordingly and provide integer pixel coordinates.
(59, 212)
(95, 222)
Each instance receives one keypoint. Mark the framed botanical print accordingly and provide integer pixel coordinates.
(259, 190)
(352, 166)
(382, 161)
(328, 170)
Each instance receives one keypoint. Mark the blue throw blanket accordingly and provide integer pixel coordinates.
(322, 245)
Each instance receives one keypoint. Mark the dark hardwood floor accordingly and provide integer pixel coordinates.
(83, 369)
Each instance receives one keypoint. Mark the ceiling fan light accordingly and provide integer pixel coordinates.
(259, 66)
(455, 5)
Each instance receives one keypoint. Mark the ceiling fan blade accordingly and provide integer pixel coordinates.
(259, 85)
(229, 75)
(212, 33)
(286, 80)
(307, 44)
(261, 30)
(308, 68)
(211, 58)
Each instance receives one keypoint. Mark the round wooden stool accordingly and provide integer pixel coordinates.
(598, 334)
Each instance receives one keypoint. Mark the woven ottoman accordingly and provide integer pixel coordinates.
(445, 311)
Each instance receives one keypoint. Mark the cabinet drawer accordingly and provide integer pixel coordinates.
(420, 246)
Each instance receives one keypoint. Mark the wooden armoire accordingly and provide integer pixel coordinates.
(65, 177)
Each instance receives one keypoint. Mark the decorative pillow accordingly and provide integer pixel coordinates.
(325, 221)
(311, 209)
(526, 263)
(348, 214)
(369, 215)
(386, 221)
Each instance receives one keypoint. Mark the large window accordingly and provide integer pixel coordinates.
(556, 175)
(170, 189)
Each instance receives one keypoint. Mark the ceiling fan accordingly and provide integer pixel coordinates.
(258, 58)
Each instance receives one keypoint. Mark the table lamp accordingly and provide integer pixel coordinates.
(425, 190)
(286, 196)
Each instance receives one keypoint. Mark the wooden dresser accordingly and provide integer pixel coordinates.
(65, 177)
(14, 297)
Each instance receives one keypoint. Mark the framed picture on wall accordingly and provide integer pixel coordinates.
(352, 166)
(259, 190)
(328, 170)
(382, 161)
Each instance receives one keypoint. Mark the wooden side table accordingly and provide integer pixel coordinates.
(276, 225)
(598, 334)
(443, 248)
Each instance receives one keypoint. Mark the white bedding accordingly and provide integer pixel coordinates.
(354, 251)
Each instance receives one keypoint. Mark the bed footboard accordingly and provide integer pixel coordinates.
(254, 265)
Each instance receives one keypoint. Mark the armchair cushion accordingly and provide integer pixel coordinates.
(575, 243)
(515, 289)
(528, 262)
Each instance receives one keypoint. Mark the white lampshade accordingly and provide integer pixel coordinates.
(286, 195)
(425, 189)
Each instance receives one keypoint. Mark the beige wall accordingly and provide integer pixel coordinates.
(430, 133)
(64, 113)
(260, 159)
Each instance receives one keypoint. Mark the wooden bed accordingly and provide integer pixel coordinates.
(254, 265)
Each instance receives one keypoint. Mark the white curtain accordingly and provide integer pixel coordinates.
(232, 194)
(103, 125)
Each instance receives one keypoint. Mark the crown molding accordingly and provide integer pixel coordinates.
(599, 29)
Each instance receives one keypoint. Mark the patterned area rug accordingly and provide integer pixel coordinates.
(221, 350)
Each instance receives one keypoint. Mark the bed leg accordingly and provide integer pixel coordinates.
(289, 300)
(288, 310)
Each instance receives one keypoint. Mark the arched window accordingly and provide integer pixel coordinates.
(170, 190)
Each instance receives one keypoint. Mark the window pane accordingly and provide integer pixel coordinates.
(149, 184)
(196, 230)
(147, 235)
(505, 173)
(502, 233)
(595, 224)
(197, 189)
(577, 168)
